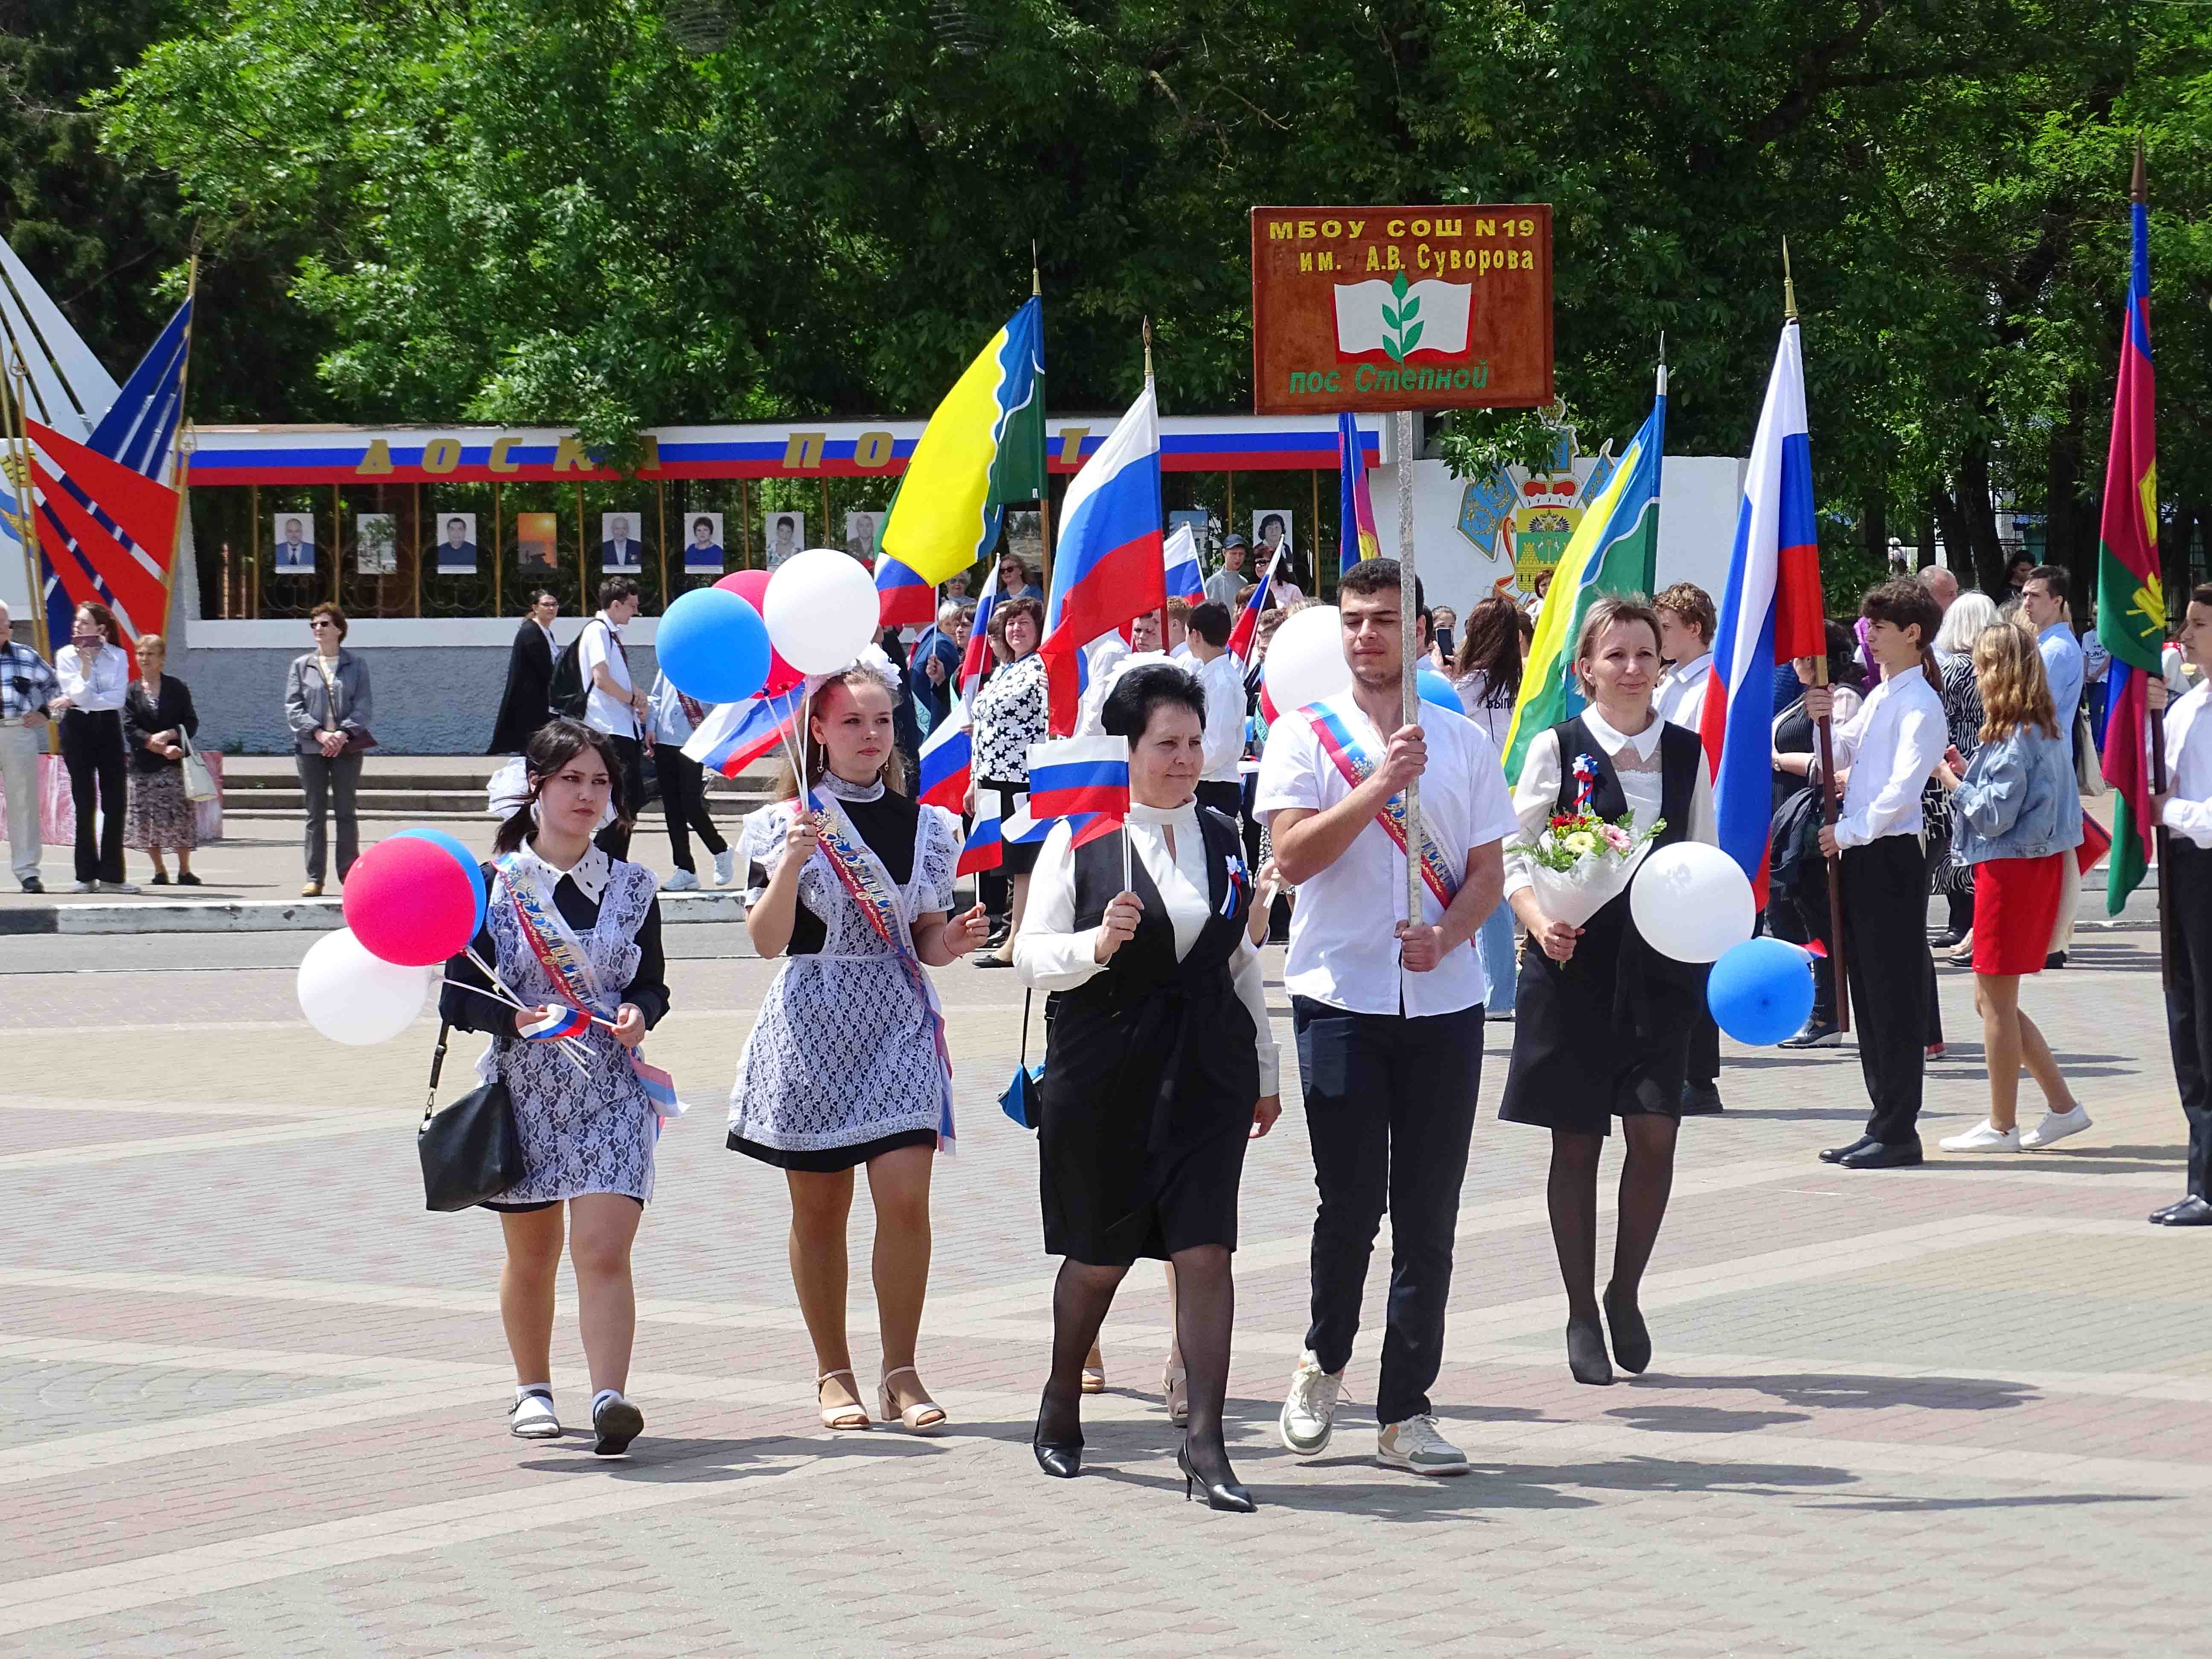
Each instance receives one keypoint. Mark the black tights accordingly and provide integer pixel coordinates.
(1206, 1309)
(1646, 1177)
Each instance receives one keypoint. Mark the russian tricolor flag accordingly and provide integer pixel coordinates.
(1074, 776)
(947, 763)
(985, 850)
(1185, 577)
(561, 1022)
(1111, 564)
(1248, 619)
(901, 597)
(1770, 612)
(977, 656)
(736, 734)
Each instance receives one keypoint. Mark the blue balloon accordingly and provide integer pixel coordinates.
(713, 646)
(1436, 689)
(462, 856)
(1761, 990)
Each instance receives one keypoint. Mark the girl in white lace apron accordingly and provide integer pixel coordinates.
(847, 1064)
(574, 933)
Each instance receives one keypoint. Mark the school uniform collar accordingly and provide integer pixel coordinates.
(591, 872)
(1175, 817)
(1613, 742)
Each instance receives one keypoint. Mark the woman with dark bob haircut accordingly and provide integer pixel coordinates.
(570, 926)
(1160, 1068)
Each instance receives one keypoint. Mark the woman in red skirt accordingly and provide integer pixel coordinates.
(2017, 820)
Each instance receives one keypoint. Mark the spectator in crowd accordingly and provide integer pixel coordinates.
(1487, 674)
(1010, 716)
(2018, 820)
(93, 671)
(158, 717)
(327, 703)
(1225, 586)
(1443, 638)
(1144, 634)
(1969, 614)
(956, 587)
(2016, 575)
(27, 686)
(1942, 587)
(674, 716)
(1221, 678)
(616, 704)
(526, 703)
(1177, 640)
(1686, 620)
(2044, 601)
(1015, 582)
(1541, 584)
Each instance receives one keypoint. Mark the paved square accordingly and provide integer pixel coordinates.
(254, 1396)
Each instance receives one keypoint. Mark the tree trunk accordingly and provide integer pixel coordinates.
(1874, 525)
(1951, 526)
(2071, 539)
(1972, 521)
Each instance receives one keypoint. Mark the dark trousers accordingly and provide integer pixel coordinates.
(1886, 957)
(92, 750)
(1227, 798)
(683, 800)
(2189, 999)
(1389, 1106)
(327, 786)
(614, 839)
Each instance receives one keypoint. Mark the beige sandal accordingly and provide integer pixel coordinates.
(925, 1416)
(1094, 1376)
(1174, 1395)
(850, 1415)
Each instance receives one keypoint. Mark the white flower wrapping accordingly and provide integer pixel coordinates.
(1575, 896)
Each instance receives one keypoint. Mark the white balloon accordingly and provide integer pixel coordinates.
(1305, 660)
(1692, 902)
(821, 610)
(352, 997)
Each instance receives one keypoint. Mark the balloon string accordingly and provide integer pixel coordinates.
(569, 1046)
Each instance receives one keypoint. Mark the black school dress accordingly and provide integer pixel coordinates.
(1605, 1034)
(1151, 1075)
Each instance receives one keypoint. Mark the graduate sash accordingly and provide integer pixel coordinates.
(1357, 765)
(561, 954)
(869, 885)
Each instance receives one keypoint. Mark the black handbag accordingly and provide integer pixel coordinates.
(472, 1151)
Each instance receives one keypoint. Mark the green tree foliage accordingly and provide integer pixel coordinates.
(622, 212)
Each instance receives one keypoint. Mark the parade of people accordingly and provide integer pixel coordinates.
(1550, 752)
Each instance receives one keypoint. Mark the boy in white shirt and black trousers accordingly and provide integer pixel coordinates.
(1891, 747)
(1388, 1009)
(2186, 810)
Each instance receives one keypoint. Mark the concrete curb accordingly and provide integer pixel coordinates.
(319, 916)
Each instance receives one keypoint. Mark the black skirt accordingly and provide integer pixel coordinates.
(1016, 858)
(827, 1160)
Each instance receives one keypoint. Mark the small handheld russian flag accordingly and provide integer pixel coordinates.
(1071, 777)
(984, 850)
(558, 1023)
(947, 763)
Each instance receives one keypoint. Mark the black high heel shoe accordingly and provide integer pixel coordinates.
(1586, 1353)
(1061, 1459)
(1219, 1494)
(1631, 1336)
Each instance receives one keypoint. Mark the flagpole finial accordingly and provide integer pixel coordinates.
(1660, 388)
(1036, 283)
(1789, 287)
(2138, 189)
(1148, 350)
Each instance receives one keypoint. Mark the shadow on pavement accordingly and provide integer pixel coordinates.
(1830, 1392)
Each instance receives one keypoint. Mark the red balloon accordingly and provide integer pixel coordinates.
(408, 901)
(751, 586)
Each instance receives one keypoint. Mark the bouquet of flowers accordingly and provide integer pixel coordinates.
(1582, 860)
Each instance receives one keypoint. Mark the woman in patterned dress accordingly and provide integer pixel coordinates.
(158, 719)
(570, 926)
(846, 1064)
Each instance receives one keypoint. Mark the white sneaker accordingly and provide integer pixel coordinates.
(680, 881)
(84, 887)
(2056, 1127)
(726, 867)
(1415, 1444)
(1310, 1411)
(119, 886)
(1984, 1136)
(530, 1418)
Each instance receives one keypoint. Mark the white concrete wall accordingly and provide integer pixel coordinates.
(1697, 500)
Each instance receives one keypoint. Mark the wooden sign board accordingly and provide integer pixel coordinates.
(1382, 308)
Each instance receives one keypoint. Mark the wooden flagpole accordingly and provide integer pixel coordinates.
(1409, 645)
(1822, 727)
(2139, 192)
(1044, 481)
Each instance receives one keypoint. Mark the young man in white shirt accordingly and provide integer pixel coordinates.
(1221, 677)
(2185, 811)
(1686, 620)
(1891, 747)
(617, 704)
(1389, 1009)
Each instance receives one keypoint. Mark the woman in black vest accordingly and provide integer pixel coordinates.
(1161, 1067)
(1601, 1022)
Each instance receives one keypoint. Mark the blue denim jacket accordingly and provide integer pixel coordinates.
(2017, 800)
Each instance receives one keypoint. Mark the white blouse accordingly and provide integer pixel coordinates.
(1050, 956)
(1635, 763)
(98, 686)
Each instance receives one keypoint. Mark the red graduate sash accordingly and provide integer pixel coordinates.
(1339, 744)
